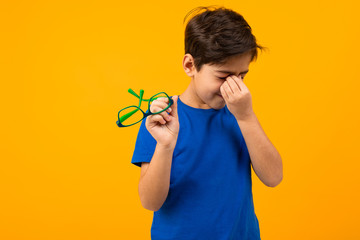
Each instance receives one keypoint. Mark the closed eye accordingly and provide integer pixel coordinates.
(228, 76)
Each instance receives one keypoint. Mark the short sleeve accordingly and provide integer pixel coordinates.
(144, 147)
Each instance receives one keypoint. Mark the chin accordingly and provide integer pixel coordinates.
(219, 105)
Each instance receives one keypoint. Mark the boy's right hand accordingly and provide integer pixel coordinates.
(164, 127)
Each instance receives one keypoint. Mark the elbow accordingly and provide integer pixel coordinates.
(148, 203)
(152, 198)
(278, 177)
(149, 206)
(275, 182)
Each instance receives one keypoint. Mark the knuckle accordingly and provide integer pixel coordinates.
(154, 108)
(160, 117)
(157, 118)
(165, 116)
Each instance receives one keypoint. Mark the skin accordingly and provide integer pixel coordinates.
(204, 89)
(164, 127)
(203, 92)
(211, 89)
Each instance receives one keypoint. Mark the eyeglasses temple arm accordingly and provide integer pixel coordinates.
(133, 93)
(126, 116)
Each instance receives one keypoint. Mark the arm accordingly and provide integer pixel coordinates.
(155, 178)
(265, 159)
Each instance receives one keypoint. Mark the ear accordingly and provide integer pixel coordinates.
(188, 65)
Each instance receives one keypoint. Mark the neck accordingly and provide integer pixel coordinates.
(190, 98)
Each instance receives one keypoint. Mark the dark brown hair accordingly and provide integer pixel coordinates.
(214, 36)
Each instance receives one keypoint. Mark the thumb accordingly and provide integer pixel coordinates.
(174, 112)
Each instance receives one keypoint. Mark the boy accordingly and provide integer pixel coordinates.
(195, 157)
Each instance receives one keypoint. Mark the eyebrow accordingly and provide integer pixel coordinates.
(225, 71)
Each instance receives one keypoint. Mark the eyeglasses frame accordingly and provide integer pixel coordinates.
(148, 113)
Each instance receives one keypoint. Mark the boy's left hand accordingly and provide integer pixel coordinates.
(237, 97)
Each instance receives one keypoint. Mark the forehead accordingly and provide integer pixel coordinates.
(234, 63)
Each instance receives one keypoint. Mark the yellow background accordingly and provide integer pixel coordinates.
(65, 69)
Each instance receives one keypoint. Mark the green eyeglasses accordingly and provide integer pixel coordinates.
(133, 114)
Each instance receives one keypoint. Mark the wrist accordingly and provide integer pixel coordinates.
(167, 146)
(248, 118)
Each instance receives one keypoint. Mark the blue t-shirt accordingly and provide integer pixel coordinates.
(210, 195)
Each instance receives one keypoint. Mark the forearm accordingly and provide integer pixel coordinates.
(265, 159)
(154, 184)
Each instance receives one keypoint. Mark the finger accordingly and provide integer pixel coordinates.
(163, 102)
(223, 93)
(240, 82)
(234, 85)
(164, 114)
(173, 107)
(159, 105)
(157, 118)
(163, 99)
(227, 89)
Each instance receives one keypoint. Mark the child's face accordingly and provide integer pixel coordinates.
(207, 82)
